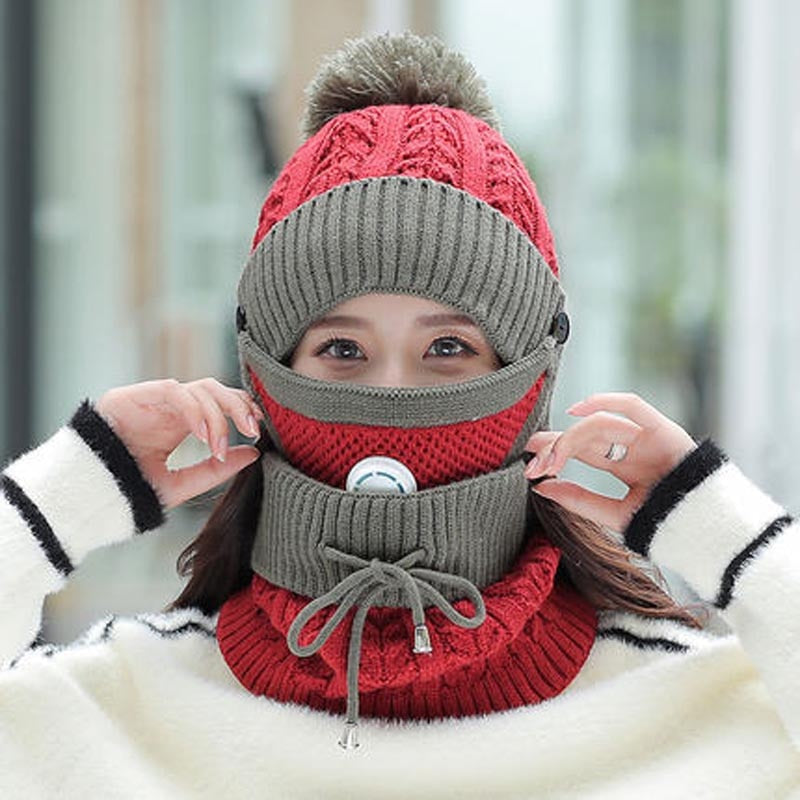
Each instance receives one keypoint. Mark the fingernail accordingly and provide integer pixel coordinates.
(204, 432)
(222, 444)
(550, 459)
(531, 468)
(251, 421)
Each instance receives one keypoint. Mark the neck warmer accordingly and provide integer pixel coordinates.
(356, 648)
(489, 627)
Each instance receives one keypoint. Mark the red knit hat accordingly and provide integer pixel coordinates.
(419, 141)
(404, 185)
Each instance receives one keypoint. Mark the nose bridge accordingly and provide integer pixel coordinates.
(394, 351)
(393, 370)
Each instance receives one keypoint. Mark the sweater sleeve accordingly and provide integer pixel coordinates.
(739, 550)
(78, 490)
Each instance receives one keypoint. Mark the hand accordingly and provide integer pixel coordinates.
(154, 417)
(655, 445)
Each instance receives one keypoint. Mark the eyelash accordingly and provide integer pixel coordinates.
(330, 342)
(468, 349)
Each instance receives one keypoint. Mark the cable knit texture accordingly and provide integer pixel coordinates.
(436, 455)
(536, 637)
(427, 141)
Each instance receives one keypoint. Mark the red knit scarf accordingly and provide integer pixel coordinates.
(536, 637)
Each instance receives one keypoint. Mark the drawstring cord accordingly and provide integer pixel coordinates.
(362, 589)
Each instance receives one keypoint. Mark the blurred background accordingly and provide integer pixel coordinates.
(139, 138)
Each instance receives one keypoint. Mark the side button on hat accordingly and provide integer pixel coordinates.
(560, 327)
(241, 319)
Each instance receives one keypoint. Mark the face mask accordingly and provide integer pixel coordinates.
(442, 434)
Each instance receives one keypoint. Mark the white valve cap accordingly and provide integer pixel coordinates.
(381, 474)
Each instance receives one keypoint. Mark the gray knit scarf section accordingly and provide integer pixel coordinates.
(473, 528)
(402, 235)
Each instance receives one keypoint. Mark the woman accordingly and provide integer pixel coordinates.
(377, 557)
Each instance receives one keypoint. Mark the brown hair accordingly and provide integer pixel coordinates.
(604, 570)
(217, 562)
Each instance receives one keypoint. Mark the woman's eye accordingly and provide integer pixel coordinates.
(341, 348)
(449, 346)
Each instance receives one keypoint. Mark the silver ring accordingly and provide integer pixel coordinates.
(616, 452)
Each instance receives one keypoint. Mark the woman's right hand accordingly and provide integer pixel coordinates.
(654, 446)
(154, 417)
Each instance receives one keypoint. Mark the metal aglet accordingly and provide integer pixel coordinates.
(349, 740)
(422, 639)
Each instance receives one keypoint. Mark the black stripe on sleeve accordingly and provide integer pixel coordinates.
(669, 491)
(148, 513)
(164, 631)
(642, 642)
(39, 526)
(105, 630)
(739, 562)
(181, 630)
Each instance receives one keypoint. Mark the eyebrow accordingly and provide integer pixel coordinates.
(428, 320)
(432, 320)
(339, 319)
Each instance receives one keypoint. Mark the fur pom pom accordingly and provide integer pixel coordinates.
(403, 69)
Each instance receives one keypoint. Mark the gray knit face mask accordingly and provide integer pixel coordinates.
(442, 434)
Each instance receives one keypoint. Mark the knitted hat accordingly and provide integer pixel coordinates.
(402, 186)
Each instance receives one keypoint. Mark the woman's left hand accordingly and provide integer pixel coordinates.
(655, 444)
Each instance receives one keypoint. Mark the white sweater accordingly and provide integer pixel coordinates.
(145, 707)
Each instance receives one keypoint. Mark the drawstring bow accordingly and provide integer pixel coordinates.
(362, 588)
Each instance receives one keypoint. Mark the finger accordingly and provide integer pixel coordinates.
(541, 439)
(627, 403)
(587, 441)
(234, 403)
(214, 418)
(178, 486)
(166, 395)
(607, 511)
(255, 408)
(539, 445)
(176, 395)
(253, 401)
